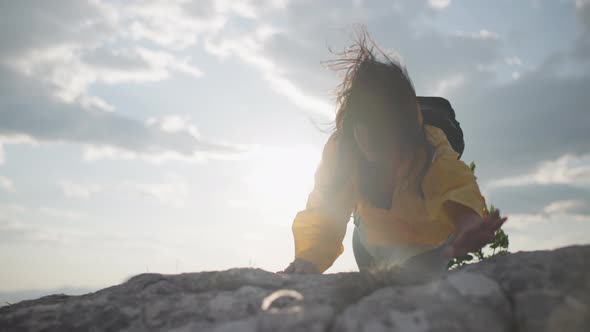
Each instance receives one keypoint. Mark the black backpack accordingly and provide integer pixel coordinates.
(438, 112)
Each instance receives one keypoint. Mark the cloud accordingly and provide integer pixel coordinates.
(445, 86)
(538, 116)
(482, 34)
(569, 169)
(174, 24)
(506, 108)
(513, 61)
(239, 203)
(583, 8)
(516, 109)
(76, 190)
(179, 24)
(30, 226)
(29, 112)
(174, 124)
(560, 223)
(582, 49)
(539, 233)
(10, 209)
(560, 186)
(218, 151)
(70, 71)
(49, 78)
(13, 139)
(71, 57)
(568, 206)
(62, 214)
(226, 28)
(439, 4)
(29, 24)
(285, 41)
(249, 48)
(300, 36)
(17, 232)
(47, 68)
(6, 183)
(534, 198)
(39, 44)
(522, 222)
(515, 75)
(173, 191)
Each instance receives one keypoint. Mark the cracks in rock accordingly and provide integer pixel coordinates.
(512, 307)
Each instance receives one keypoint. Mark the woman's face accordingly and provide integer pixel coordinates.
(371, 150)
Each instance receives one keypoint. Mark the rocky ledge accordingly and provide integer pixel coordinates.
(526, 291)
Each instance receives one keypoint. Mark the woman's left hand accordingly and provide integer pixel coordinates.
(472, 236)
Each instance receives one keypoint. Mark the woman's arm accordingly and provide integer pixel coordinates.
(454, 199)
(472, 232)
(318, 230)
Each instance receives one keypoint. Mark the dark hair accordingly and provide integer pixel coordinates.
(379, 94)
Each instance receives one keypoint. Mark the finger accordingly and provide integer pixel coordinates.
(290, 268)
(496, 213)
(497, 224)
(488, 219)
(494, 224)
(492, 216)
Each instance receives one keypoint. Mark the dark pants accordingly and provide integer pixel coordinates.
(429, 261)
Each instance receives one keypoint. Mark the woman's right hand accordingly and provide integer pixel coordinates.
(300, 266)
(475, 234)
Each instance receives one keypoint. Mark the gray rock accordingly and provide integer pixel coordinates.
(548, 290)
(528, 291)
(459, 302)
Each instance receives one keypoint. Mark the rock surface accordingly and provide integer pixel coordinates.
(527, 291)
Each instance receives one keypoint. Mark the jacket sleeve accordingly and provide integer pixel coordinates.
(318, 230)
(450, 179)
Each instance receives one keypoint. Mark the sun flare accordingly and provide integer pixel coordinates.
(281, 178)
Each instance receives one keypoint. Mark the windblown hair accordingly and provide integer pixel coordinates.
(376, 91)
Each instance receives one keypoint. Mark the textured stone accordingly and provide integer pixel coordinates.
(528, 291)
(460, 302)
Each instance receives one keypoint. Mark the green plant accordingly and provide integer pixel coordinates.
(498, 246)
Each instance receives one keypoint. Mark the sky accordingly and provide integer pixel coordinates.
(181, 136)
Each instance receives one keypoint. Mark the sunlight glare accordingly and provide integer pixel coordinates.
(280, 179)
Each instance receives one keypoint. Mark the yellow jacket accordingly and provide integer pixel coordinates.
(320, 228)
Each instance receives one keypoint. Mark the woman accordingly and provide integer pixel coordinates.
(414, 202)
